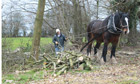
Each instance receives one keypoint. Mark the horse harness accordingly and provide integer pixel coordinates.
(111, 26)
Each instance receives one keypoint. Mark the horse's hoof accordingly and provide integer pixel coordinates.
(97, 57)
(113, 60)
(89, 56)
(102, 61)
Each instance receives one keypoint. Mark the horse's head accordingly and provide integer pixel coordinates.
(123, 17)
(118, 23)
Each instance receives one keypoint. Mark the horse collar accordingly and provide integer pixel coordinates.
(111, 25)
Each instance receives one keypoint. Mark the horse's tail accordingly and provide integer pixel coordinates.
(88, 34)
(86, 44)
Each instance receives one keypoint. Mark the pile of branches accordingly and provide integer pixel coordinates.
(66, 61)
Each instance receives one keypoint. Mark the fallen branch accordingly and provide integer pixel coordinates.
(66, 61)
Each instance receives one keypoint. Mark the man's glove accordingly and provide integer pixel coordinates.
(66, 38)
(56, 42)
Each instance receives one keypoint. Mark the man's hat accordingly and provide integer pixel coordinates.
(57, 30)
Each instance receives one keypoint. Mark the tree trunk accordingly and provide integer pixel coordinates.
(77, 21)
(37, 29)
(80, 23)
(24, 33)
(97, 1)
(86, 19)
(15, 32)
(132, 23)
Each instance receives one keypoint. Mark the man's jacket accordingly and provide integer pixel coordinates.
(59, 39)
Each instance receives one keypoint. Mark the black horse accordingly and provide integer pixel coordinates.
(107, 31)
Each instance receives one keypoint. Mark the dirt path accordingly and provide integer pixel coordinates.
(126, 71)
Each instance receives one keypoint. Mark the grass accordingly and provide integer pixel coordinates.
(16, 42)
(38, 75)
(32, 75)
(23, 78)
(26, 42)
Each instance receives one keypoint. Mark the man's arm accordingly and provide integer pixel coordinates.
(65, 39)
(54, 40)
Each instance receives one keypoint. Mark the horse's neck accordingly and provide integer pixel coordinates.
(105, 22)
(116, 20)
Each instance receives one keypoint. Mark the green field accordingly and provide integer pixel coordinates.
(16, 42)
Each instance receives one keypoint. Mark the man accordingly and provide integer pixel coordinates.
(58, 41)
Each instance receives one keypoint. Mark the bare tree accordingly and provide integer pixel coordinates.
(37, 28)
(12, 24)
(17, 23)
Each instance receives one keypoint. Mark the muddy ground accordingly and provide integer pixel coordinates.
(126, 71)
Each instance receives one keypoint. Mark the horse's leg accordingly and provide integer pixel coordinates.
(112, 56)
(103, 58)
(95, 50)
(96, 47)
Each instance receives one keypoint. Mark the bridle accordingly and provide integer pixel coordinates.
(122, 26)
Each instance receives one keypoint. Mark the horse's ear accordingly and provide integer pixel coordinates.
(117, 11)
(127, 14)
(120, 14)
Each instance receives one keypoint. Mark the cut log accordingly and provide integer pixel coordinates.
(61, 71)
(66, 61)
(71, 63)
(81, 67)
(88, 63)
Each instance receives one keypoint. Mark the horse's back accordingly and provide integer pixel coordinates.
(94, 26)
(94, 22)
